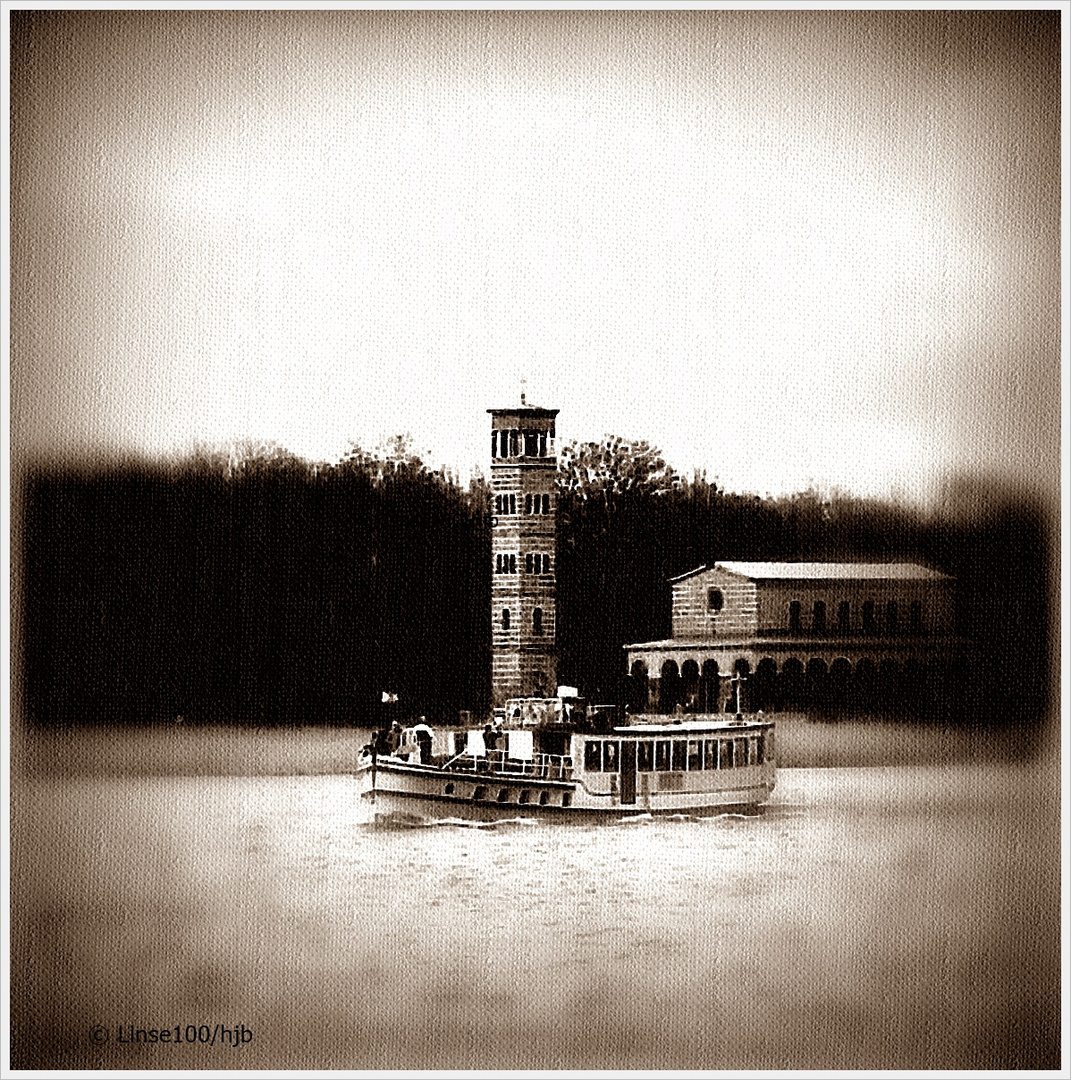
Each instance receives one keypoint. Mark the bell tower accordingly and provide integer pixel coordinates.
(524, 465)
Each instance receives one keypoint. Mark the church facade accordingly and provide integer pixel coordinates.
(774, 635)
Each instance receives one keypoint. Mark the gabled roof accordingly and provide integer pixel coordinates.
(826, 571)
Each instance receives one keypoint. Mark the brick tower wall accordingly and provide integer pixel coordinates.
(523, 553)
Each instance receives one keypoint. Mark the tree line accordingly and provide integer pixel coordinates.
(252, 587)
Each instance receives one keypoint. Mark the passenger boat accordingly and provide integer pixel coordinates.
(560, 759)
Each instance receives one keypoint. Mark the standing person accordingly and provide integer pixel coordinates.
(395, 737)
(423, 738)
(490, 738)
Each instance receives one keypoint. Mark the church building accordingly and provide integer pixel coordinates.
(795, 634)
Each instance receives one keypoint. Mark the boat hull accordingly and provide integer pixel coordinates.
(431, 793)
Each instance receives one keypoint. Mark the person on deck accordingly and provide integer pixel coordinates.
(395, 737)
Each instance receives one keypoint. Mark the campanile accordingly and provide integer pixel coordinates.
(524, 465)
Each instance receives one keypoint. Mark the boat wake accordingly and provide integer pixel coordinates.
(399, 821)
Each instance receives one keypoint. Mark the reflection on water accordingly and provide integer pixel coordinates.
(869, 918)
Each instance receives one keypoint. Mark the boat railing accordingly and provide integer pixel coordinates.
(498, 763)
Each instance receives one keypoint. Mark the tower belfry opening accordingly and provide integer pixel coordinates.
(524, 465)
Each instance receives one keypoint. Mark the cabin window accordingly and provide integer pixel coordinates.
(505, 618)
(794, 615)
(503, 794)
(479, 793)
(844, 617)
(695, 756)
(592, 756)
(537, 621)
(524, 796)
(741, 751)
(710, 757)
(680, 748)
(715, 599)
(645, 756)
(544, 798)
(818, 618)
(567, 798)
(609, 755)
(449, 789)
(661, 756)
(725, 758)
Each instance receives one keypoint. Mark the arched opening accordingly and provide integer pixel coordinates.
(794, 616)
(869, 624)
(913, 688)
(888, 686)
(709, 687)
(818, 617)
(739, 690)
(505, 618)
(817, 685)
(863, 686)
(844, 617)
(764, 685)
(669, 687)
(690, 686)
(840, 677)
(637, 688)
(892, 617)
(537, 622)
(792, 683)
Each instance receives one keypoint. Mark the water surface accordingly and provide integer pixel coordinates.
(886, 918)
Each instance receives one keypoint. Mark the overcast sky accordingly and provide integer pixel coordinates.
(784, 247)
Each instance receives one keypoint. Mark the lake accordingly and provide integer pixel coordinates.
(899, 917)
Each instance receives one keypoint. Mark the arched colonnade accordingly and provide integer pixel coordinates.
(797, 682)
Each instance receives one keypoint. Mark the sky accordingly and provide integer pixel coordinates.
(789, 248)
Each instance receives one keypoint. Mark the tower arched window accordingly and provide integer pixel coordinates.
(537, 621)
(505, 618)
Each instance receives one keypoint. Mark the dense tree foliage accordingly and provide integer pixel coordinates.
(252, 587)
